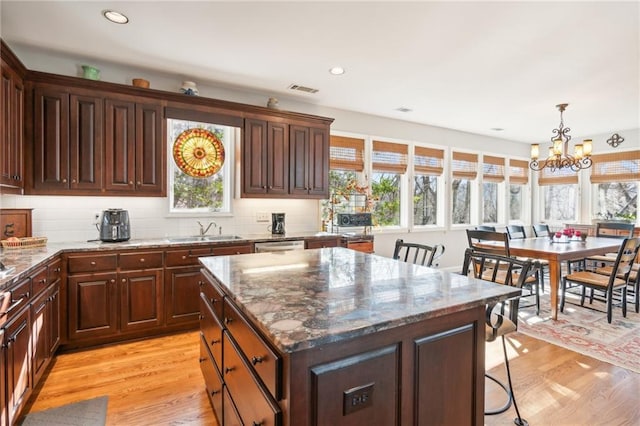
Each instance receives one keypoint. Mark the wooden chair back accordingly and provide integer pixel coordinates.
(516, 232)
(488, 241)
(541, 230)
(419, 254)
(614, 229)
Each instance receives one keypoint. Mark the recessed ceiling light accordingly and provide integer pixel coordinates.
(115, 17)
(336, 70)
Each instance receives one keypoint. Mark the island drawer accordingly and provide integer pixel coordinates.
(255, 405)
(19, 297)
(186, 257)
(263, 359)
(213, 296)
(212, 379)
(211, 330)
(54, 270)
(141, 260)
(92, 263)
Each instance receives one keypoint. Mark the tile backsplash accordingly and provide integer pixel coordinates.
(63, 219)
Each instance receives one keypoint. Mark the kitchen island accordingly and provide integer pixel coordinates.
(339, 337)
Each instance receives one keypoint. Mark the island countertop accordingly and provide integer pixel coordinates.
(307, 298)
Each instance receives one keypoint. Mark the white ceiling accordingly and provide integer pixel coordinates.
(470, 66)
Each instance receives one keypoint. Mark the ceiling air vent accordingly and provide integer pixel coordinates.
(303, 88)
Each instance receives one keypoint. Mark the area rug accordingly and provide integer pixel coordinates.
(91, 412)
(587, 331)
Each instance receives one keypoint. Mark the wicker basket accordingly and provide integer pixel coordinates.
(24, 243)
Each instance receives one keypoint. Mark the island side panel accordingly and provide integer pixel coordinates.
(436, 366)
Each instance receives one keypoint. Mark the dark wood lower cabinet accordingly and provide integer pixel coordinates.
(182, 287)
(140, 299)
(93, 305)
(19, 381)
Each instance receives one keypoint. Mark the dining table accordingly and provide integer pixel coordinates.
(556, 252)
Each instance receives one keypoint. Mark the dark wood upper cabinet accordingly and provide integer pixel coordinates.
(86, 147)
(309, 166)
(120, 141)
(11, 122)
(265, 151)
(150, 152)
(51, 139)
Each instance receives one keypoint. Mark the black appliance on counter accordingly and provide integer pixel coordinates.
(114, 226)
(277, 223)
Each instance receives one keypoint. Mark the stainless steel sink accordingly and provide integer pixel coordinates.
(204, 238)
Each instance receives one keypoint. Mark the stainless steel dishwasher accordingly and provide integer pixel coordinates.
(275, 246)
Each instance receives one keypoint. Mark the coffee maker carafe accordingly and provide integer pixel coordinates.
(114, 226)
(277, 223)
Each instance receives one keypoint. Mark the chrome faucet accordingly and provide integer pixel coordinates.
(204, 230)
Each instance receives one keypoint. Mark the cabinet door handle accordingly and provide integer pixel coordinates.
(184, 257)
(43, 281)
(113, 280)
(73, 181)
(256, 360)
(228, 370)
(92, 263)
(202, 359)
(228, 320)
(138, 183)
(214, 392)
(124, 280)
(215, 341)
(57, 269)
(130, 182)
(64, 180)
(142, 260)
(213, 301)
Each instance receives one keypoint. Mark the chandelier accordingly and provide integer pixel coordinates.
(559, 157)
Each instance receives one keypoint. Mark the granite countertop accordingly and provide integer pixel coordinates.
(23, 260)
(308, 298)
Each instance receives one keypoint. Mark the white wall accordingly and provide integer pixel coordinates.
(71, 218)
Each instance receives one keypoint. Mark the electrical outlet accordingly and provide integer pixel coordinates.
(262, 217)
(96, 217)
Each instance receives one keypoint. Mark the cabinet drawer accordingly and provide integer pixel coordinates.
(363, 246)
(236, 249)
(211, 330)
(39, 281)
(141, 260)
(212, 379)
(314, 244)
(255, 405)
(186, 257)
(19, 296)
(264, 360)
(54, 271)
(213, 296)
(92, 263)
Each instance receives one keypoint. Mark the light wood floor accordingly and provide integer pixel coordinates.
(158, 382)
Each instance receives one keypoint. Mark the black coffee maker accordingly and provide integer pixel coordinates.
(114, 226)
(277, 223)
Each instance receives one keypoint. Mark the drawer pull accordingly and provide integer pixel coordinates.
(15, 303)
(228, 320)
(184, 257)
(228, 370)
(256, 360)
(214, 392)
(92, 263)
(43, 281)
(142, 260)
(213, 301)
(202, 359)
(214, 341)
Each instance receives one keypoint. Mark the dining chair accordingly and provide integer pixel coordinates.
(498, 243)
(609, 230)
(518, 232)
(501, 317)
(419, 254)
(606, 279)
(541, 230)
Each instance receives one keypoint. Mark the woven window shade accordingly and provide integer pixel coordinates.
(518, 172)
(492, 168)
(346, 153)
(389, 157)
(616, 167)
(464, 165)
(564, 176)
(428, 161)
